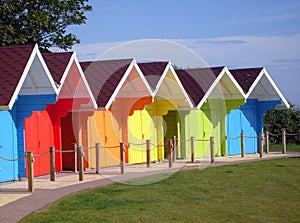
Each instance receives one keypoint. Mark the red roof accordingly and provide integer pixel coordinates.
(103, 77)
(57, 63)
(245, 77)
(153, 72)
(197, 81)
(13, 60)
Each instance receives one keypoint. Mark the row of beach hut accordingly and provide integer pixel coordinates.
(52, 99)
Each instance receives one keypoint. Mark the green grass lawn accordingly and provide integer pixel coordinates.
(261, 191)
(291, 147)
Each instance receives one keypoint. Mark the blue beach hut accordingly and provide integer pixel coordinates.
(262, 94)
(26, 86)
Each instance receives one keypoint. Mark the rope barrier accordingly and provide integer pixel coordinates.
(233, 138)
(156, 145)
(292, 134)
(39, 155)
(137, 144)
(251, 137)
(110, 147)
(65, 151)
(202, 140)
(279, 134)
(12, 160)
(92, 147)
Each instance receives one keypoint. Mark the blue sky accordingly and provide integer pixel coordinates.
(224, 32)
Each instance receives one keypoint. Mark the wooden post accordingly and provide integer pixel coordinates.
(267, 142)
(261, 146)
(242, 145)
(174, 148)
(283, 141)
(30, 171)
(97, 147)
(192, 149)
(170, 150)
(122, 158)
(75, 155)
(212, 149)
(148, 152)
(80, 163)
(52, 163)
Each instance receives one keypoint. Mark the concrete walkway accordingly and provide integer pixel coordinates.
(16, 202)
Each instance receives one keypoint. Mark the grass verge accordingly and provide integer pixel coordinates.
(261, 191)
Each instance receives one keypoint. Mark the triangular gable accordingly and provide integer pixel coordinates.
(258, 84)
(134, 85)
(209, 83)
(106, 78)
(164, 81)
(23, 72)
(68, 75)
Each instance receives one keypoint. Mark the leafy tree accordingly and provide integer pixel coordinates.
(277, 119)
(41, 21)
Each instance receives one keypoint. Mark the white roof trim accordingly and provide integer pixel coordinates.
(142, 77)
(66, 71)
(224, 71)
(261, 74)
(85, 81)
(35, 52)
(118, 88)
(212, 87)
(159, 83)
(170, 67)
(235, 82)
(47, 72)
(181, 87)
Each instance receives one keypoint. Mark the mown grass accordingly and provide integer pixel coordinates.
(291, 147)
(261, 191)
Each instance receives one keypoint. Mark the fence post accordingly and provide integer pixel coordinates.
(122, 158)
(52, 163)
(97, 147)
(261, 146)
(174, 148)
(30, 171)
(80, 159)
(267, 142)
(212, 149)
(75, 155)
(242, 144)
(170, 150)
(148, 152)
(192, 149)
(283, 141)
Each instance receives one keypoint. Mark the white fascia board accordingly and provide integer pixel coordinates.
(227, 72)
(161, 79)
(50, 78)
(181, 87)
(66, 71)
(118, 88)
(85, 81)
(276, 88)
(143, 77)
(23, 77)
(251, 89)
(212, 87)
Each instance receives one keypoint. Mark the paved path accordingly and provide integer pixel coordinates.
(16, 202)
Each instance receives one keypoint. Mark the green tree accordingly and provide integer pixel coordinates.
(277, 119)
(41, 21)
